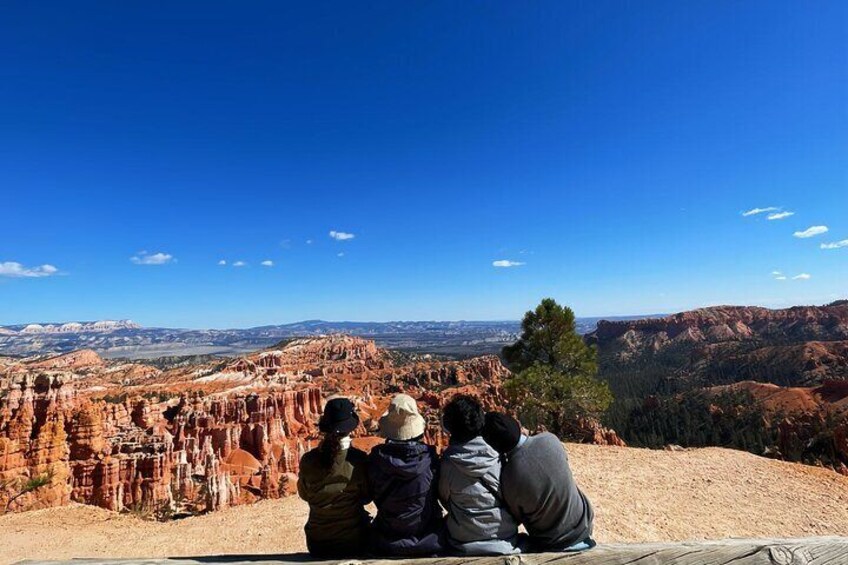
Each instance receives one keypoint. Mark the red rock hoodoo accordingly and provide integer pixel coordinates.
(198, 438)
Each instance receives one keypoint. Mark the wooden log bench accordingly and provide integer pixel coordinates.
(801, 551)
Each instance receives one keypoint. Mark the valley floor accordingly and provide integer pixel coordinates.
(639, 495)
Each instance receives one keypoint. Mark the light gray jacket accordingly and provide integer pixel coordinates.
(478, 522)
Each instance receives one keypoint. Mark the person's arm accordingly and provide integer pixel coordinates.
(512, 505)
(436, 463)
(373, 480)
(359, 483)
(302, 488)
(510, 497)
(444, 485)
(367, 491)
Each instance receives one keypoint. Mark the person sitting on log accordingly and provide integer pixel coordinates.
(478, 522)
(403, 474)
(333, 479)
(538, 487)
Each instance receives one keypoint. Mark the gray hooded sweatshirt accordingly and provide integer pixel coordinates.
(478, 522)
(539, 489)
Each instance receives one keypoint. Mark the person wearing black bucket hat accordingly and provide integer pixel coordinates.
(538, 487)
(333, 479)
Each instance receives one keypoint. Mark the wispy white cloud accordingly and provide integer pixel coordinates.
(16, 270)
(755, 211)
(811, 231)
(145, 258)
(341, 235)
(779, 276)
(308, 242)
(779, 215)
(222, 262)
(835, 244)
(267, 263)
(340, 254)
(504, 263)
(239, 264)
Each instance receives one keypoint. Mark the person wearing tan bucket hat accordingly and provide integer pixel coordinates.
(402, 421)
(403, 476)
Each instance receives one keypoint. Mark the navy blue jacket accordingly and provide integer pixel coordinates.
(404, 478)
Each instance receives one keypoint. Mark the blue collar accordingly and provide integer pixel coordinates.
(521, 441)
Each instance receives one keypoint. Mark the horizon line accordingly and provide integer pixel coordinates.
(318, 320)
(399, 321)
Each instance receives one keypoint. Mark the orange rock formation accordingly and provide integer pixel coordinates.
(198, 438)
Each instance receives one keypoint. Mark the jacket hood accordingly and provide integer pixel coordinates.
(403, 459)
(474, 458)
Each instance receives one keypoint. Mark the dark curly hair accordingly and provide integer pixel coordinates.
(463, 418)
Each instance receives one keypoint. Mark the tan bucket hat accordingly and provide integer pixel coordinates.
(402, 421)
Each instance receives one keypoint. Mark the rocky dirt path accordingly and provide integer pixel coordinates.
(639, 495)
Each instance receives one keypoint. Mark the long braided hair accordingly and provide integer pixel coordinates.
(330, 448)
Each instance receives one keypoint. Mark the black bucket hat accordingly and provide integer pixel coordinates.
(339, 417)
(502, 431)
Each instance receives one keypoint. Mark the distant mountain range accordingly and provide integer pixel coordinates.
(101, 326)
(127, 339)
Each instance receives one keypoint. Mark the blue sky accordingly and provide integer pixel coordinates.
(611, 148)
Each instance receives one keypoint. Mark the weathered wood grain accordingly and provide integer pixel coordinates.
(803, 551)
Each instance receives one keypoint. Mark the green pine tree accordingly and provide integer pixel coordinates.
(554, 380)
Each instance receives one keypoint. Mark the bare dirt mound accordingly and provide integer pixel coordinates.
(639, 495)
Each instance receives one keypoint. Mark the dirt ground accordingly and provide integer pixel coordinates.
(639, 495)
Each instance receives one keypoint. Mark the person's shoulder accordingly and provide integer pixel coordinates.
(356, 454)
(545, 441)
(309, 460)
(376, 450)
(448, 455)
(451, 453)
(544, 438)
(431, 454)
(310, 455)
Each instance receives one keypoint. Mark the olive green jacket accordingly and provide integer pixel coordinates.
(338, 522)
